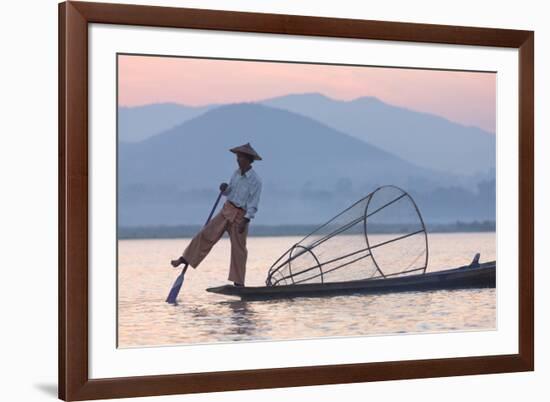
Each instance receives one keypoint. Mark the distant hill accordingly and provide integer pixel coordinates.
(141, 122)
(310, 171)
(424, 139)
(296, 148)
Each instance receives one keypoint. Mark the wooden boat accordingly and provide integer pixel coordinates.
(482, 276)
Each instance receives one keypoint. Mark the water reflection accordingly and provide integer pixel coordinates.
(243, 318)
(201, 317)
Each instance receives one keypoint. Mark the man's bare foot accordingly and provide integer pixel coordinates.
(178, 262)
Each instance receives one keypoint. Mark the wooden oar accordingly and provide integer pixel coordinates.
(173, 295)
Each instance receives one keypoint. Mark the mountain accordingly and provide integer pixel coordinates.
(141, 122)
(310, 171)
(423, 139)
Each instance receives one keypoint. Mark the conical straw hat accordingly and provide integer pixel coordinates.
(247, 149)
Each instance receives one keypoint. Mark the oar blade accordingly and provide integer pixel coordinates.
(173, 295)
(174, 292)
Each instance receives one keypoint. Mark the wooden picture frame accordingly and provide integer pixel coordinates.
(74, 380)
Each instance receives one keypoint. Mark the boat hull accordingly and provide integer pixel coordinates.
(464, 277)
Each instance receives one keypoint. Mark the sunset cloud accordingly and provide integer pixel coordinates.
(468, 98)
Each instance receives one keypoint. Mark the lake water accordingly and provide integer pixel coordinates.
(145, 277)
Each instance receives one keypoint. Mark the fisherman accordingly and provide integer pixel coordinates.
(243, 196)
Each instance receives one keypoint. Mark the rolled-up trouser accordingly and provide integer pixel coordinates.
(227, 219)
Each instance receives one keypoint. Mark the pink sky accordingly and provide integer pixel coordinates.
(464, 97)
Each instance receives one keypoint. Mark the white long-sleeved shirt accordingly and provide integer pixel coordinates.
(244, 191)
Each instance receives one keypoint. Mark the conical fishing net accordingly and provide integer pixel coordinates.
(381, 235)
